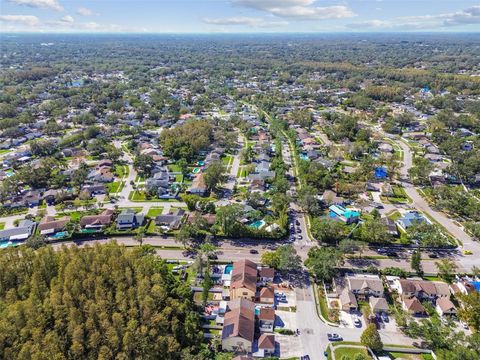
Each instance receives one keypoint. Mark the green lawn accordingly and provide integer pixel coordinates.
(154, 212)
(114, 187)
(2, 225)
(150, 229)
(140, 197)
(174, 168)
(227, 159)
(136, 209)
(121, 170)
(350, 352)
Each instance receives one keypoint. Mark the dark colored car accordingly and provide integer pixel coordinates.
(253, 251)
(334, 337)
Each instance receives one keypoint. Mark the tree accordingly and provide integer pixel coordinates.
(371, 338)
(322, 262)
(425, 234)
(227, 218)
(374, 231)
(64, 293)
(270, 258)
(446, 269)
(470, 310)
(416, 262)
(327, 231)
(140, 235)
(36, 241)
(214, 175)
(288, 260)
(207, 284)
(144, 164)
(307, 200)
(348, 246)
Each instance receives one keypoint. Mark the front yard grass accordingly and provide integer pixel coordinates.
(2, 225)
(350, 352)
(114, 187)
(153, 212)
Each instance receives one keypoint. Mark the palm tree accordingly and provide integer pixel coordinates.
(139, 235)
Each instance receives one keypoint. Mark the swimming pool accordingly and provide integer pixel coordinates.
(303, 157)
(196, 170)
(257, 224)
(59, 235)
(228, 269)
(5, 244)
(200, 163)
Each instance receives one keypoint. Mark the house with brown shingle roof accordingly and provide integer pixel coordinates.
(243, 280)
(49, 225)
(97, 222)
(266, 344)
(267, 295)
(266, 319)
(413, 306)
(239, 326)
(445, 307)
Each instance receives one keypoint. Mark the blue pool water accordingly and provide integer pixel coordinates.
(257, 311)
(200, 163)
(228, 269)
(257, 224)
(5, 244)
(59, 235)
(476, 285)
(196, 170)
(303, 157)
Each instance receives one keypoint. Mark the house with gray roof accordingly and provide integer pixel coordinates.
(128, 219)
(22, 232)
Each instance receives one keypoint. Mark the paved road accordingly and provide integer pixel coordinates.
(313, 332)
(465, 262)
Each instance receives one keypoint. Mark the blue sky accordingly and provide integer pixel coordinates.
(238, 16)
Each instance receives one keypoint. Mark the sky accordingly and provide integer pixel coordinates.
(239, 16)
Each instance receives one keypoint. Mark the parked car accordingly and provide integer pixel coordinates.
(253, 251)
(384, 317)
(357, 322)
(297, 222)
(432, 256)
(334, 337)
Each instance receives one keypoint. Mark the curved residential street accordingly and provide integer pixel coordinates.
(465, 262)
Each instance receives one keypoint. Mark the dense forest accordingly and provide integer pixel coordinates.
(105, 302)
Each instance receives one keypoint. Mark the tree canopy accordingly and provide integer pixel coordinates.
(103, 302)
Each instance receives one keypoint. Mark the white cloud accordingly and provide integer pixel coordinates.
(243, 20)
(83, 11)
(67, 20)
(297, 9)
(28, 20)
(44, 4)
(468, 16)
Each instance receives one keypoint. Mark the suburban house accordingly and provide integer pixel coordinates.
(348, 301)
(364, 286)
(239, 326)
(22, 232)
(346, 215)
(198, 186)
(422, 289)
(266, 274)
(97, 222)
(266, 345)
(411, 218)
(128, 219)
(330, 197)
(352, 288)
(445, 307)
(244, 280)
(266, 319)
(49, 225)
(391, 226)
(413, 306)
(172, 220)
(378, 305)
(266, 295)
